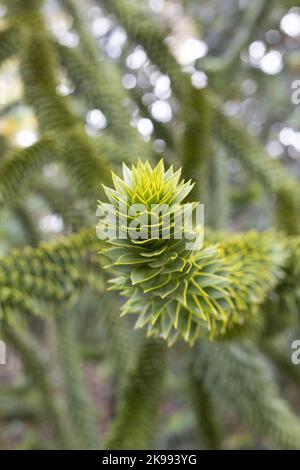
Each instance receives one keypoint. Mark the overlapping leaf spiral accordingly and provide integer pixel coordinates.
(175, 291)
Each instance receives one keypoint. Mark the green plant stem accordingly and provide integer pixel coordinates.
(37, 372)
(80, 409)
(139, 404)
(205, 414)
